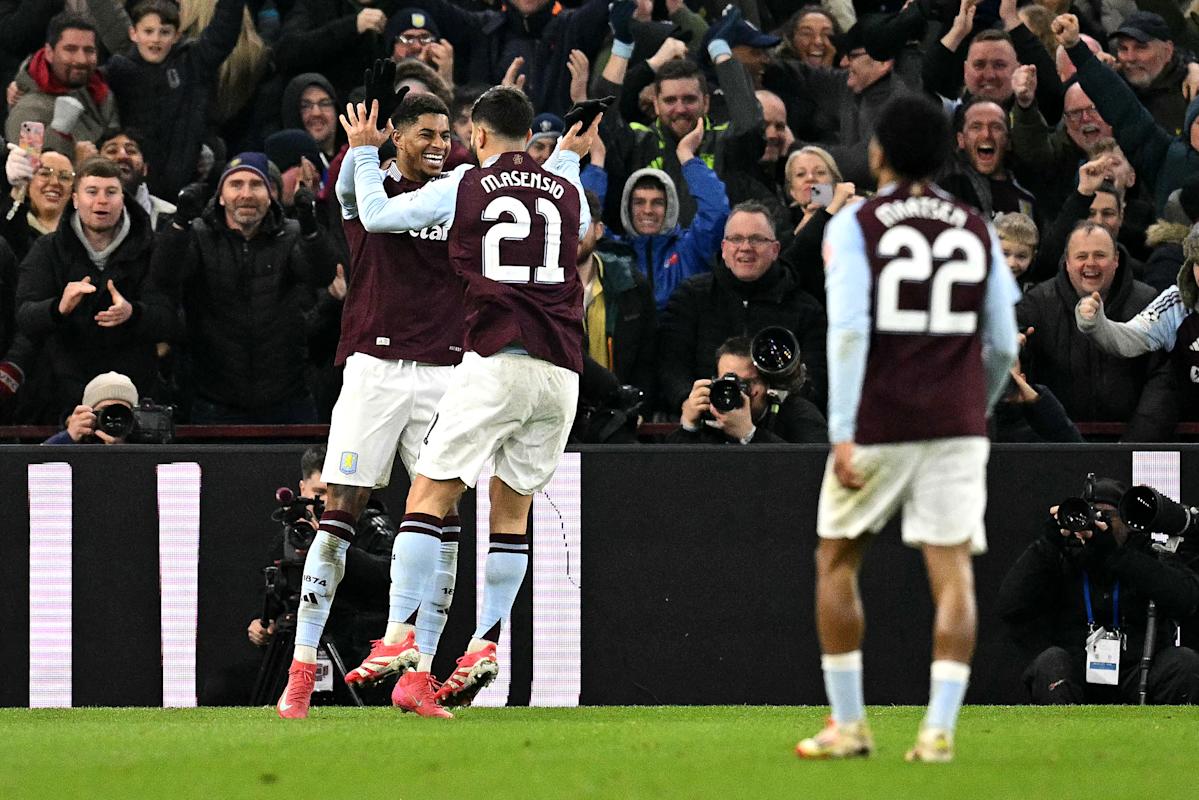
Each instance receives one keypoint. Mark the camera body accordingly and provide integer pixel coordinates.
(144, 424)
(293, 514)
(726, 392)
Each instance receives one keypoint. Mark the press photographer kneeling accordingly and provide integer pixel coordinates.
(1084, 599)
(109, 413)
(359, 613)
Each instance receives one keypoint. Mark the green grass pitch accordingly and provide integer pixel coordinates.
(1099, 753)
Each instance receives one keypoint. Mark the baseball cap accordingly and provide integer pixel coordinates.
(547, 126)
(109, 386)
(1144, 26)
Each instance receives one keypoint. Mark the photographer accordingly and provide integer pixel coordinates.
(763, 415)
(86, 425)
(1081, 596)
(359, 612)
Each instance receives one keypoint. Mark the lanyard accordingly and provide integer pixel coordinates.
(1086, 596)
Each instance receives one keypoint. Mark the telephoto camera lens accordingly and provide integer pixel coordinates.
(116, 420)
(1075, 514)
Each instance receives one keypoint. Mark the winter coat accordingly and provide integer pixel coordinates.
(1162, 158)
(631, 319)
(486, 42)
(1165, 238)
(795, 420)
(75, 347)
(671, 257)
(168, 102)
(322, 35)
(41, 90)
(1092, 385)
(242, 301)
(714, 306)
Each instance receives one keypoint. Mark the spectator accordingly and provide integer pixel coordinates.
(339, 39)
(22, 30)
(540, 32)
(240, 269)
(310, 102)
(750, 47)
(808, 37)
(1167, 234)
(86, 293)
(1018, 238)
(754, 172)
(749, 291)
(1161, 159)
(547, 130)
(681, 101)
(1145, 58)
(163, 87)
(38, 197)
(1092, 385)
(620, 326)
(763, 417)
(102, 391)
(412, 33)
(807, 168)
(125, 148)
(60, 87)
(1098, 200)
(667, 252)
(980, 175)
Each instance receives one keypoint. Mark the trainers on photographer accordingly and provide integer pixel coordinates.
(384, 660)
(293, 704)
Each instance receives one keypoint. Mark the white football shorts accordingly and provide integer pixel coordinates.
(384, 406)
(940, 484)
(512, 408)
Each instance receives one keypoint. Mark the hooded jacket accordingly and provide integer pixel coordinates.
(1092, 385)
(41, 90)
(1161, 158)
(76, 348)
(714, 306)
(674, 255)
(242, 301)
(289, 111)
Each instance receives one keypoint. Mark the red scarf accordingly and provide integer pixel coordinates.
(39, 70)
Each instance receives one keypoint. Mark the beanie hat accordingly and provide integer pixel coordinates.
(407, 19)
(254, 162)
(547, 126)
(109, 386)
(285, 148)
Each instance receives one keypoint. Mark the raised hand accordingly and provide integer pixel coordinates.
(1088, 307)
(1024, 85)
(72, 294)
(620, 14)
(1090, 175)
(580, 73)
(359, 126)
(120, 312)
(1065, 28)
(690, 143)
(577, 140)
(513, 76)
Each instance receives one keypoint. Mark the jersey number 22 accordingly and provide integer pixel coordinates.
(917, 266)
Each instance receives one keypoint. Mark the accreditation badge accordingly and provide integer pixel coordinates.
(1103, 657)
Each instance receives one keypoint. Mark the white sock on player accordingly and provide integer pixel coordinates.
(843, 684)
(949, 682)
(323, 568)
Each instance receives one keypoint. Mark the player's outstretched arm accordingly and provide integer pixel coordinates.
(1154, 328)
(847, 289)
(344, 188)
(998, 324)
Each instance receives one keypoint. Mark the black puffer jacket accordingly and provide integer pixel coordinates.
(242, 302)
(1092, 385)
(76, 348)
(707, 309)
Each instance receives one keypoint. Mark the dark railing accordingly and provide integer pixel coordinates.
(648, 431)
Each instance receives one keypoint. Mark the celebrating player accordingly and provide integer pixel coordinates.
(401, 335)
(921, 334)
(514, 230)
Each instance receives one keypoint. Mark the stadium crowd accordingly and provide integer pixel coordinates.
(170, 212)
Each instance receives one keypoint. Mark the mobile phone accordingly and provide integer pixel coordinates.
(586, 112)
(822, 194)
(33, 137)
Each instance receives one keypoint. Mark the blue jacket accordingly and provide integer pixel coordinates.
(1162, 160)
(672, 257)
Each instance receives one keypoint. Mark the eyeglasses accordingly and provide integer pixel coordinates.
(420, 38)
(323, 105)
(752, 241)
(46, 173)
(1074, 115)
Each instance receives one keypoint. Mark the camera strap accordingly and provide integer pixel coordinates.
(1103, 646)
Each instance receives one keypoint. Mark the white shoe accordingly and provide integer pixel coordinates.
(933, 746)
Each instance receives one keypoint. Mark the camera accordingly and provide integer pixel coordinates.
(144, 424)
(293, 514)
(1078, 514)
(1168, 523)
(775, 353)
(725, 393)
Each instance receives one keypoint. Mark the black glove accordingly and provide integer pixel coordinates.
(725, 27)
(380, 83)
(305, 204)
(620, 14)
(190, 204)
(586, 111)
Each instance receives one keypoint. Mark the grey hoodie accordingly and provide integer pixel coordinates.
(672, 200)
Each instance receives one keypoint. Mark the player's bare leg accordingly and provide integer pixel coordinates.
(324, 566)
(951, 578)
(507, 562)
(841, 625)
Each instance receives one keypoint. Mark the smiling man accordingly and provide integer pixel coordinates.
(310, 102)
(982, 177)
(1092, 385)
(1146, 59)
(126, 149)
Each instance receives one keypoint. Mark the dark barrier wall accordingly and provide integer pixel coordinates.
(697, 574)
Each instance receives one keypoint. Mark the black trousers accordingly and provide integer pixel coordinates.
(1058, 677)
